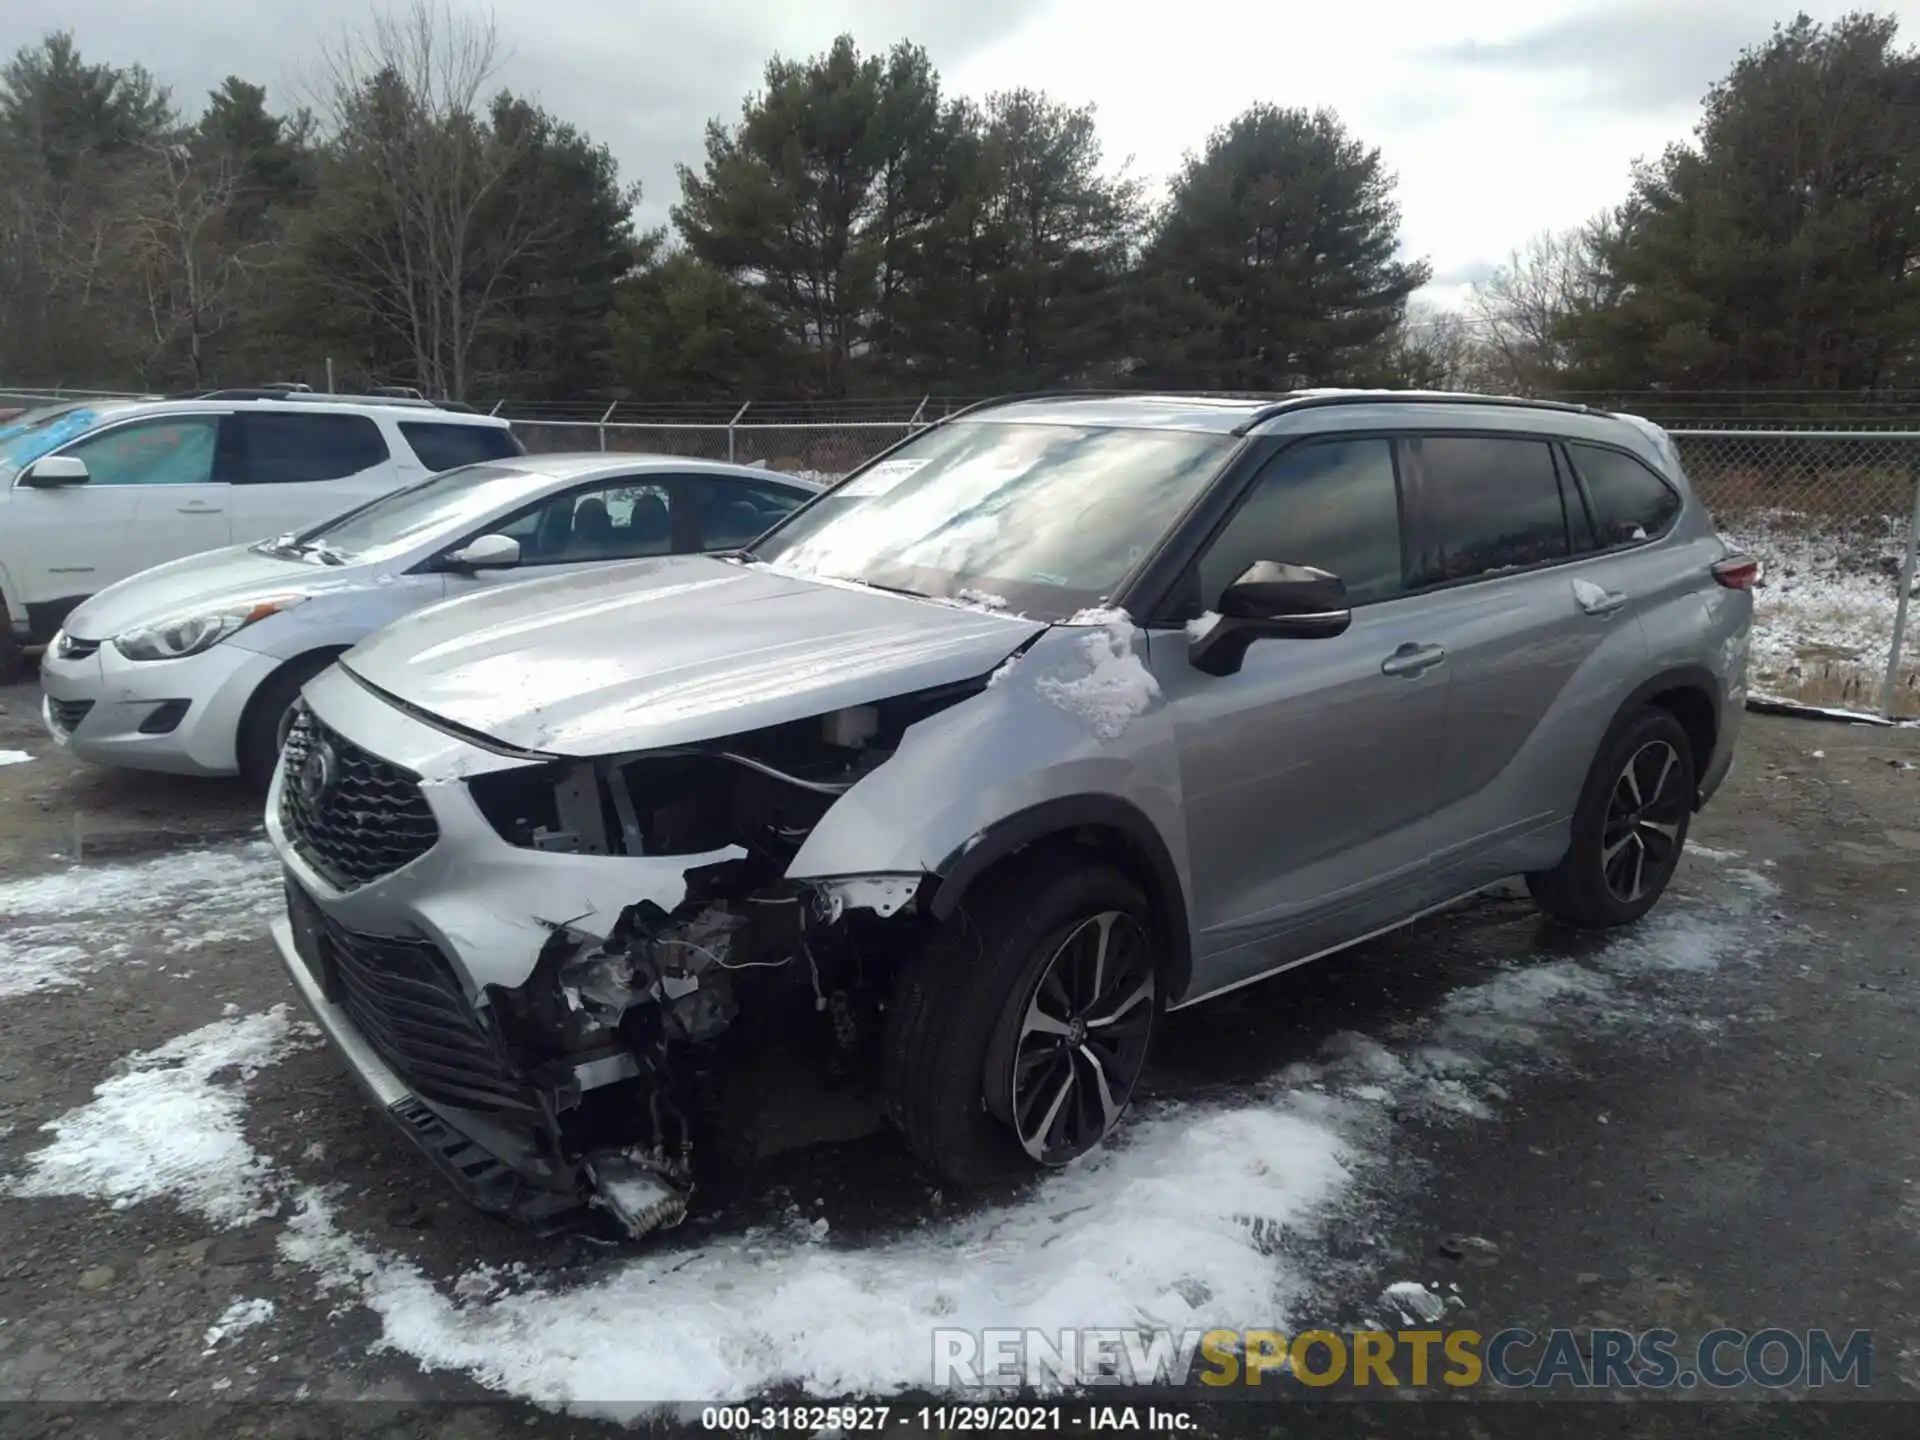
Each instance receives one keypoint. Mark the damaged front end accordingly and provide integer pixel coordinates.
(643, 1036)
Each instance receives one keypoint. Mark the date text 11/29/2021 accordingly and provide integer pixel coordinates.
(942, 1419)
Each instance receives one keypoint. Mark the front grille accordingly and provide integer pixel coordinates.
(352, 816)
(401, 995)
(67, 714)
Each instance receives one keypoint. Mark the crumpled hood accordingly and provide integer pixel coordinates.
(671, 651)
(199, 584)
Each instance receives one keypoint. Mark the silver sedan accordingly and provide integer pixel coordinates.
(191, 667)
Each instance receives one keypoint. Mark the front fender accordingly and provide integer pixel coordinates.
(970, 784)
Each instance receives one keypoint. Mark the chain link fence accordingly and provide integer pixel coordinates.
(816, 447)
(1833, 516)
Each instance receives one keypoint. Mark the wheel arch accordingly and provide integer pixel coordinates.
(305, 657)
(1106, 825)
(1689, 693)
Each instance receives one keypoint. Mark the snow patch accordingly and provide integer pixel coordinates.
(1197, 629)
(1116, 688)
(1415, 1302)
(241, 1315)
(14, 757)
(1174, 1227)
(55, 929)
(169, 1125)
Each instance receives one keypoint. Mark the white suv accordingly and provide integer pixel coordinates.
(95, 492)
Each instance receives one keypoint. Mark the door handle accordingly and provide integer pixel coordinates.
(199, 508)
(1412, 660)
(1603, 603)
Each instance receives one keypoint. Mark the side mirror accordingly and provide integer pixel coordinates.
(488, 552)
(55, 471)
(1271, 601)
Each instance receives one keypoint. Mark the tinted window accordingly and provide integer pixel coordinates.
(1047, 517)
(176, 450)
(291, 449)
(734, 513)
(442, 447)
(619, 520)
(1331, 505)
(1630, 502)
(1487, 504)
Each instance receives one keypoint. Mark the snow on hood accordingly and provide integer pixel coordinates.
(672, 651)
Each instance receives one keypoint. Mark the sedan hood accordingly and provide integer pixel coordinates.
(203, 583)
(671, 651)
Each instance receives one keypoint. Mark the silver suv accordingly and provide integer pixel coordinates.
(1063, 713)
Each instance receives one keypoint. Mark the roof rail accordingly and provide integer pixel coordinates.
(1307, 400)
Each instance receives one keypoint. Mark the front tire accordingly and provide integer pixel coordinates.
(1017, 1035)
(1628, 829)
(13, 655)
(263, 727)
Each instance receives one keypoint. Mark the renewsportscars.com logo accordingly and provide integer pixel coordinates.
(1517, 1359)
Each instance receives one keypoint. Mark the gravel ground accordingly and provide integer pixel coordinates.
(1712, 1120)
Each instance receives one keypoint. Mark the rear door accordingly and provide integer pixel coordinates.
(719, 512)
(1505, 567)
(156, 491)
(294, 469)
(1306, 776)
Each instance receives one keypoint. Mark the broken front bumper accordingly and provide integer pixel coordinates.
(506, 1166)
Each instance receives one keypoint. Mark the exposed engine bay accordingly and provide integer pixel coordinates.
(635, 1038)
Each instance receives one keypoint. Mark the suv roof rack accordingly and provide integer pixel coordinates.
(1309, 400)
(306, 395)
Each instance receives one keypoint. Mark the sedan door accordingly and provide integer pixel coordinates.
(1307, 776)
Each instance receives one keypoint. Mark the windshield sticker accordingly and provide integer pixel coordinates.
(24, 449)
(880, 479)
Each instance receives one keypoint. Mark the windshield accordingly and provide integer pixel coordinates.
(398, 521)
(25, 438)
(1046, 519)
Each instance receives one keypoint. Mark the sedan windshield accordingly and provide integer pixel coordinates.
(1045, 519)
(398, 521)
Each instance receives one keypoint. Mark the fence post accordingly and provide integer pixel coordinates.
(1900, 605)
(918, 411)
(730, 424)
(603, 424)
(496, 407)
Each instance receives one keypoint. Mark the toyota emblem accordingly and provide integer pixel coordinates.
(316, 773)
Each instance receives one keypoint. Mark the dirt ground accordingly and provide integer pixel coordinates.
(1717, 1122)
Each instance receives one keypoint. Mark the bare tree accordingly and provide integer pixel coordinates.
(1521, 311)
(422, 210)
(189, 271)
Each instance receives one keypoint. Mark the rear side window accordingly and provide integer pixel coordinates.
(1487, 504)
(445, 447)
(1329, 504)
(735, 513)
(296, 449)
(1630, 502)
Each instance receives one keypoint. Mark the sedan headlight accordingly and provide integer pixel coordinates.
(185, 635)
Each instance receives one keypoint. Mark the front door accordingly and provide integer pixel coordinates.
(152, 495)
(1306, 775)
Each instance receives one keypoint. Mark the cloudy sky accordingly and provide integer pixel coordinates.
(1501, 118)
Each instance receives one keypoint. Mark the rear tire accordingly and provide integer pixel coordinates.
(13, 655)
(1628, 829)
(1017, 1034)
(263, 725)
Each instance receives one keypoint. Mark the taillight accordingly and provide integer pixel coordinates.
(1737, 572)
